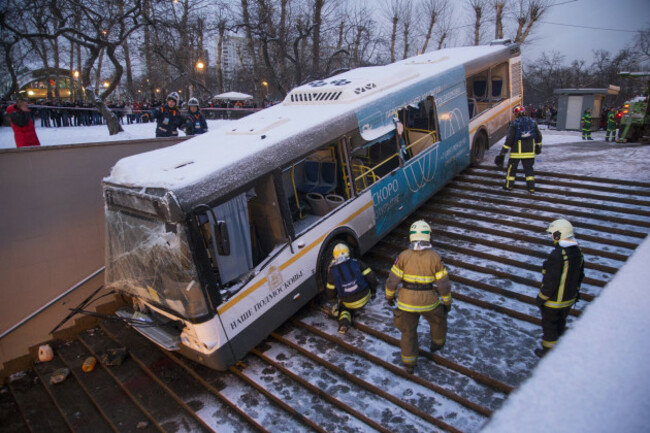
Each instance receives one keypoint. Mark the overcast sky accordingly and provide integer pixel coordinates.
(576, 28)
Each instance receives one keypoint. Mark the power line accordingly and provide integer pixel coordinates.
(591, 28)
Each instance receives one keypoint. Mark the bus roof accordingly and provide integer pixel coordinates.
(210, 165)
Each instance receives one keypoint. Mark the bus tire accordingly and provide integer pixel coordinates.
(479, 147)
(326, 258)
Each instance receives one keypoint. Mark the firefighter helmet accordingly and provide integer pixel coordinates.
(560, 229)
(174, 97)
(341, 250)
(518, 110)
(193, 102)
(420, 231)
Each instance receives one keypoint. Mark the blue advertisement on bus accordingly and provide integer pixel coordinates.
(397, 195)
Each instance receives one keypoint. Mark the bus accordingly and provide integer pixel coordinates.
(221, 238)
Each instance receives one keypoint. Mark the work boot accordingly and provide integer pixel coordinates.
(541, 351)
(590, 139)
(435, 347)
(532, 191)
(343, 329)
(409, 368)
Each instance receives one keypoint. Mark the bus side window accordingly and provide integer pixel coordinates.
(313, 186)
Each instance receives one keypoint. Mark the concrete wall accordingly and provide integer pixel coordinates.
(52, 231)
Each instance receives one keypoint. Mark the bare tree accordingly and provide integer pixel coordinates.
(529, 12)
(393, 9)
(499, 5)
(432, 9)
(407, 21)
(478, 7)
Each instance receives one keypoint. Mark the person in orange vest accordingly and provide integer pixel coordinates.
(22, 124)
(425, 291)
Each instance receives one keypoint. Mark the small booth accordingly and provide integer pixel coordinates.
(573, 102)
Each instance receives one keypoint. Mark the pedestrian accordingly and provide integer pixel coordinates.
(611, 125)
(524, 141)
(425, 291)
(22, 124)
(586, 124)
(562, 274)
(194, 121)
(351, 283)
(168, 117)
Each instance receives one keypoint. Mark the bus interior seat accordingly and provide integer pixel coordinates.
(311, 176)
(327, 181)
(471, 105)
(497, 86)
(480, 89)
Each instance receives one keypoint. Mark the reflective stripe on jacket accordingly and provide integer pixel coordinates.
(524, 147)
(418, 267)
(563, 272)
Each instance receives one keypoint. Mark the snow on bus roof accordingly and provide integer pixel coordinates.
(208, 159)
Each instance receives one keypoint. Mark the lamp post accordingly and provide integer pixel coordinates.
(266, 93)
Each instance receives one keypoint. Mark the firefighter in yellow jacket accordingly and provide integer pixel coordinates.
(425, 291)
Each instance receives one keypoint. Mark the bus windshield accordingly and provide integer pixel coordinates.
(151, 260)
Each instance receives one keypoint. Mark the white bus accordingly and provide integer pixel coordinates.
(221, 238)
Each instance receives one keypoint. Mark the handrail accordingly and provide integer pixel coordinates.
(372, 170)
(49, 304)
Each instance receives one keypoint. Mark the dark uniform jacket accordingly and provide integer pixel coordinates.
(522, 139)
(195, 123)
(418, 271)
(562, 272)
(351, 281)
(168, 121)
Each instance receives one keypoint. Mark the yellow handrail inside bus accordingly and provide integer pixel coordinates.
(295, 191)
(371, 171)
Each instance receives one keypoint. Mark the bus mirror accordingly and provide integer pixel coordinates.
(223, 241)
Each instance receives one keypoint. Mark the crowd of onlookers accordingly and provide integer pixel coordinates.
(543, 114)
(58, 113)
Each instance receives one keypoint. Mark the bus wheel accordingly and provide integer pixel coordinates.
(479, 146)
(326, 258)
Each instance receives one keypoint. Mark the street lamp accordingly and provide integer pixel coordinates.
(200, 65)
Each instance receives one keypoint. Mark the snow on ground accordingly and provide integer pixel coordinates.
(597, 379)
(89, 134)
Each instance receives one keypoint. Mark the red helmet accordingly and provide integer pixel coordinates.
(518, 110)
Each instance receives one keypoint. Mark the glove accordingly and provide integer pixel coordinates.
(447, 307)
(390, 301)
(538, 149)
(335, 310)
(373, 293)
(539, 302)
(498, 160)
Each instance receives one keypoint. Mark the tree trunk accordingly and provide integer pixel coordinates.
(406, 39)
(498, 31)
(432, 22)
(478, 11)
(222, 32)
(315, 52)
(393, 38)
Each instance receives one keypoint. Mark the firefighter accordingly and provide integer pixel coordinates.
(351, 282)
(524, 141)
(562, 274)
(586, 124)
(425, 291)
(611, 125)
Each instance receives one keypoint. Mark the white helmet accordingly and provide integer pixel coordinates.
(193, 102)
(561, 229)
(341, 250)
(420, 231)
(174, 97)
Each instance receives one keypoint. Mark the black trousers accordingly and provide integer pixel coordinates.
(553, 324)
(511, 172)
